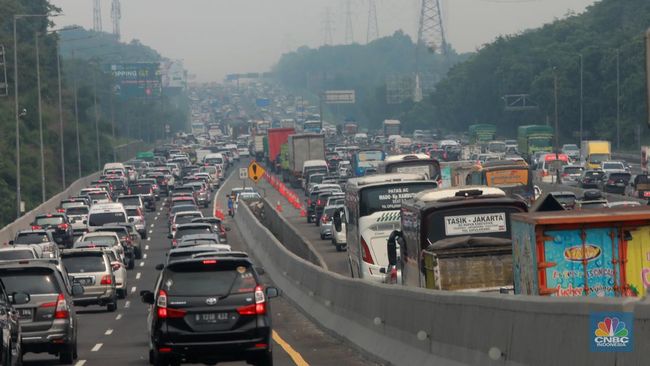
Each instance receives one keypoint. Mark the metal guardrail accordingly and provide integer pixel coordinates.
(410, 326)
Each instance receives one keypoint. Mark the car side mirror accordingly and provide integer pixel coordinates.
(147, 297)
(20, 298)
(159, 267)
(391, 247)
(272, 292)
(11, 242)
(77, 289)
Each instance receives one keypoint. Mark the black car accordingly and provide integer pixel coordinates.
(59, 225)
(321, 201)
(47, 318)
(311, 203)
(615, 182)
(145, 190)
(208, 310)
(590, 178)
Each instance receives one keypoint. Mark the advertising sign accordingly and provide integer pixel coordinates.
(510, 177)
(262, 102)
(476, 224)
(339, 97)
(173, 74)
(568, 276)
(137, 80)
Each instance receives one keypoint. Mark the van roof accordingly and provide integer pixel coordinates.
(385, 178)
(403, 157)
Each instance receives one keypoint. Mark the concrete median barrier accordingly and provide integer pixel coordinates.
(407, 326)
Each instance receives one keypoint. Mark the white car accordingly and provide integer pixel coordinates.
(613, 167)
(101, 239)
(243, 153)
(119, 270)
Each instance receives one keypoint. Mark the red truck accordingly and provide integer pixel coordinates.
(277, 137)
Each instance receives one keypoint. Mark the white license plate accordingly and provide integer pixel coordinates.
(211, 318)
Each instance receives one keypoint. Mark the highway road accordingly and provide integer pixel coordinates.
(120, 338)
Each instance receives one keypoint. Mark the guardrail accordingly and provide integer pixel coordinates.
(409, 326)
(124, 152)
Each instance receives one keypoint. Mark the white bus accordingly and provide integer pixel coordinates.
(373, 211)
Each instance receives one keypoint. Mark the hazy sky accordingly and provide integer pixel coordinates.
(217, 37)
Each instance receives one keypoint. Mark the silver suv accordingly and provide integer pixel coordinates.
(48, 320)
(92, 269)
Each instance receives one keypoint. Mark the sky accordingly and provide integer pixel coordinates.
(218, 37)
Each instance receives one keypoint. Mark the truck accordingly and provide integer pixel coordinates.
(534, 138)
(392, 127)
(259, 147)
(303, 147)
(593, 153)
(350, 128)
(481, 133)
(275, 138)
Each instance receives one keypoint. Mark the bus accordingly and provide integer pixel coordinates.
(456, 239)
(312, 126)
(372, 207)
(515, 178)
(411, 163)
(198, 128)
(364, 159)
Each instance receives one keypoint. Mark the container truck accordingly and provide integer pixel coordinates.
(303, 147)
(276, 137)
(350, 128)
(480, 134)
(593, 153)
(534, 138)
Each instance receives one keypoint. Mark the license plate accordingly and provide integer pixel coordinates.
(211, 318)
(25, 314)
(86, 281)
(620, 184)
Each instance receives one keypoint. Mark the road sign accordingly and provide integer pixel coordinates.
(243, 173)
(339, 97)
(255, 171)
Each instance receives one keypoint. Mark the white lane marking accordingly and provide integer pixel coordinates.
(149, 238)
(137, 275)
(155, 218)
(108, 332)
(118, 317)
(141, 264)
(97, 347)
(133, 289)
(150, 231)
(144, 256)
(151, 226)
(80, 363)
(158, 214)
(146, 247)
(127, 304)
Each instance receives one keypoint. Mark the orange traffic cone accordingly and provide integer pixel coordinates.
(278, 207)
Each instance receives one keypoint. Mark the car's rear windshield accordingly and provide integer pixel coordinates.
(54, 220)
(101, 239)
(185, 219)
(84, 263)
(620, 176)
(210, 279)
(198, 242)
(83, 210)
(117, 184)
(31, 238)
(9, 255)
(129, 201)
(593, 174)
(98, 195)
(572, 169)
(613, 166)
(31, 281)
(102, 218)
(140, 189)
(132, 212)
(191, 231)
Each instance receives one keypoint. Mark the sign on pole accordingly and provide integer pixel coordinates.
(339, 97)
(255, 172)
(243, 173)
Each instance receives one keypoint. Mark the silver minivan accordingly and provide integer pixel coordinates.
(92, 269)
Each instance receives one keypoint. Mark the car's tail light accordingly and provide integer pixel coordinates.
(210, 261)
(318, 203)
(106, 280)
(60, 210)
(366, 252)
(309, 202)
(63, 226)
(163, 311)
(174, 242)
(610, 181)
(36, 227)
(259, 308)
(61, 309)
(324, 219)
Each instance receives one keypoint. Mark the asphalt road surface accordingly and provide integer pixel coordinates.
(120, 337)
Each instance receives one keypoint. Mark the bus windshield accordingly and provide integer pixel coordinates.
(429, 169)
(370, 155)
(389, 196)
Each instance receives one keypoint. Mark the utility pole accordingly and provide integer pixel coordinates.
(99, 157)
(555, 92)
(618, 100)
(349, 29)
(581, 98)
(113, 125)
(97, 15)
(76, 117)
(40, 116)
(372, 31)
(58, 72)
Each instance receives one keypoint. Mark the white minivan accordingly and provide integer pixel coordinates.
(106, 213)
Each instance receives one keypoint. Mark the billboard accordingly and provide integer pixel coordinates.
(174, 75)
(339, 97)
(137, 80)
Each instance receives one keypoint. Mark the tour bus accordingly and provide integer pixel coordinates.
(411, 163)
(312, 126)
(368, 158)
(513, 177)
(454, 239)
(373, 212)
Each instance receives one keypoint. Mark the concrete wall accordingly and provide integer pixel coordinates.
(406, 326)
(124, 152)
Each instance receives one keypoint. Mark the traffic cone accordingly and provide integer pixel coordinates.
(278, 207)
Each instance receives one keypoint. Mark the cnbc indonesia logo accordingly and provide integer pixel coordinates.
(612, 332)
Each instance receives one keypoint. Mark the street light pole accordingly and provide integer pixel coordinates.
(99, 157)
(618, 100)
(581, 99)
(76, 116)
(58, 72)
(40, 116)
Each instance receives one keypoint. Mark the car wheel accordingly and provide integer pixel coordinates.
(111, 307)
(159, 360)
(131, 264)
(322, 237)
(264, 360)
(340, 247)
(66, 356)
(121, 293)
(144, 236)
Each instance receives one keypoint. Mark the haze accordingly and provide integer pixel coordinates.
(217, 37)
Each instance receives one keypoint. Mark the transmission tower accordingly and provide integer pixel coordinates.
(116, 16)
(349, 30)
(97, 16)
(373, 28)
(431, 37)
(328, 27)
